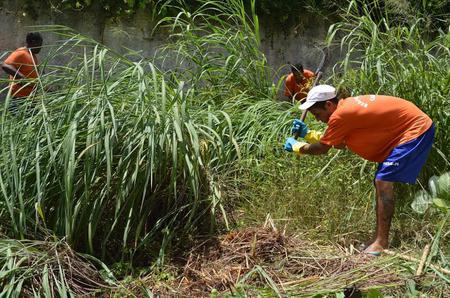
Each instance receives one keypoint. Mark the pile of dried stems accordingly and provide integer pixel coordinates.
(265, 258)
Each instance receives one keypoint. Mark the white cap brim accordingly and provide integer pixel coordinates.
(318, 93)
(306, 105)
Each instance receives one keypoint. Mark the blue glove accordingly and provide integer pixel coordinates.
(292, 145)
(300, 128)
(289, 143)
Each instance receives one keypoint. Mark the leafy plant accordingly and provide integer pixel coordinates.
(128, 161)
(124, 158)
(438, 195)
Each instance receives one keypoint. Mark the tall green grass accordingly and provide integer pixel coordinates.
(128, 158)
(333, 198)
(124, 157)
(217, 49)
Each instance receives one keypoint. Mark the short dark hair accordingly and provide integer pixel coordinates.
(297, 68)
(34, 38)
(321, 104)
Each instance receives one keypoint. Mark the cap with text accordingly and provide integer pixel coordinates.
(318, 93)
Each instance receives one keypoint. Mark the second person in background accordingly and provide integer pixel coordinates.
(298, 82)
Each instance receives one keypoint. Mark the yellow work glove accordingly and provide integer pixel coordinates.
(313, 136)
(300, 129)
(292, 145)
(296, 147)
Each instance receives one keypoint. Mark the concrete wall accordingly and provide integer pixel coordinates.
(298, 41)
(281, 44)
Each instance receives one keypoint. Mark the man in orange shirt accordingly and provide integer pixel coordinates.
(384, 129)
(298, 83)
(21, 65)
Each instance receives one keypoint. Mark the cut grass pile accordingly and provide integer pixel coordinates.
(48, 267)
(128, 163)
(268, 262)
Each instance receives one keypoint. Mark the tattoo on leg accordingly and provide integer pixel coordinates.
(387, 200)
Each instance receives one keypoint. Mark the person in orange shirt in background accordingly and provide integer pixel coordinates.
(21, 65)
(298, 82)
(388, 130)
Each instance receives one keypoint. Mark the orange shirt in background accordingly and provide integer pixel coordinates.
(25, 62)
(372, 125)
(291, 86)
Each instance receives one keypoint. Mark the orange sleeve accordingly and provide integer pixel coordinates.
(308, 73)
(289, 89)
(15, 59)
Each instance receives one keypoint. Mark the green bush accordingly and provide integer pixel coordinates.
(124, 158)
(126, 161)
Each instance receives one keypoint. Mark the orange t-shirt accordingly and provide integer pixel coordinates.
(25, 62)
(291, 86)
(372, 125)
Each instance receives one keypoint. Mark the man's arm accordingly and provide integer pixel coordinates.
(12, 71)
(315, 149)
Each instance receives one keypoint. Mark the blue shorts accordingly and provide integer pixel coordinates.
(406, 160)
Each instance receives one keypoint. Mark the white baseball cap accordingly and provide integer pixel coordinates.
(318, 93)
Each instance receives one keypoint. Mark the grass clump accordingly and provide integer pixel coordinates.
(48, 268)
(128, 161)
(123, 158)
(115, 153)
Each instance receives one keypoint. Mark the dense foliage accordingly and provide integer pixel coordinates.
(435, 12)
(127, 162)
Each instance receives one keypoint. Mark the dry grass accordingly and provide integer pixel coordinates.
(46, 267)
(266, 260)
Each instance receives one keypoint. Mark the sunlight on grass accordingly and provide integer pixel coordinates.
(129, 159)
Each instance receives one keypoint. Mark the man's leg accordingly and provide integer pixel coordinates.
(384, 212)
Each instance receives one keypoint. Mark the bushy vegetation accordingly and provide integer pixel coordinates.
(127, 162)
(434, 12)
(114, 158)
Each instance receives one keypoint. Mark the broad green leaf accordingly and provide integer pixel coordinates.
(421, 202)
(440, 203)
(433, 184)
(444, 186)
(373, 293)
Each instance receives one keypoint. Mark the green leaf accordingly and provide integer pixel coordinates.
(373, 293)
(38, 208)
(433, 184)
(440, 203)
(421, 202)
(411, 288)
(444, 186)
